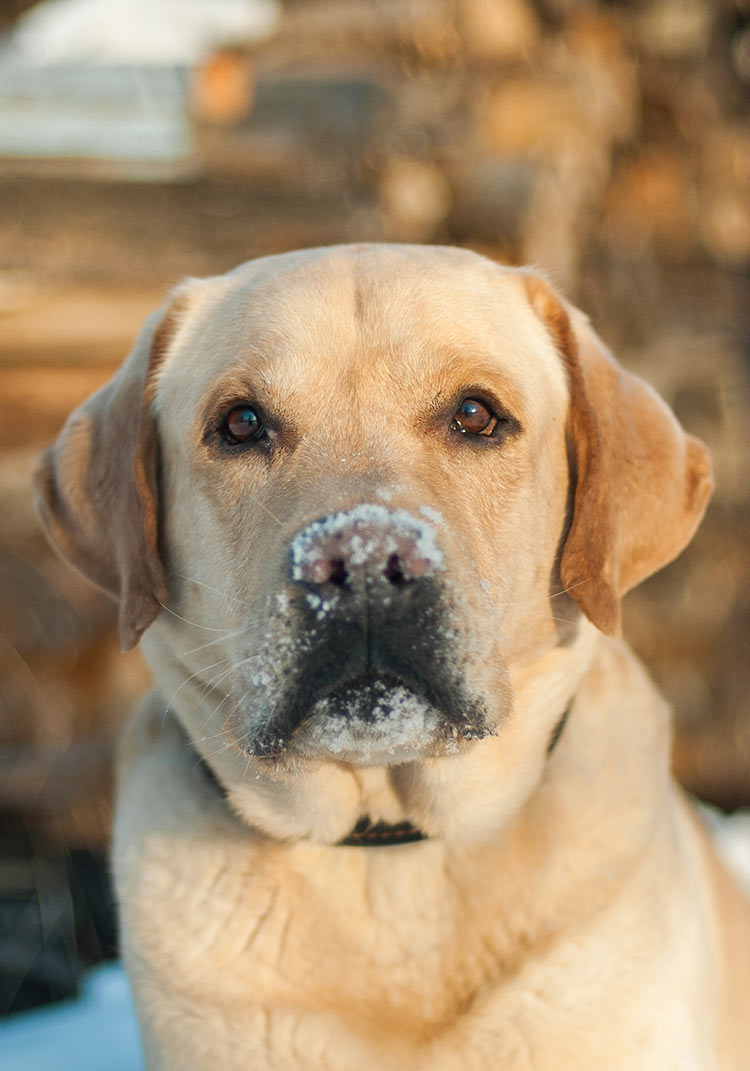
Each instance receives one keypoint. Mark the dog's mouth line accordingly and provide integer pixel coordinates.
(368, 697)
(375, 713)
(368, 710)
(375, 684)
(380, 717)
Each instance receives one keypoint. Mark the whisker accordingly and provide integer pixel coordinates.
(229, 742)
(216, 736)
(230, 634)
(192, 676)
(216, 710)
(195, 624)
(273, 516)
(209, 587)
(566, 591)
(218, 678)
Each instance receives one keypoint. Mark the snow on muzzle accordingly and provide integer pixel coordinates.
(378, 674)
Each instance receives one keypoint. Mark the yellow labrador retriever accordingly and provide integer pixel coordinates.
(401, 798)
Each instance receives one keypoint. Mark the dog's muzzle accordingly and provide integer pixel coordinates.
(376, 674)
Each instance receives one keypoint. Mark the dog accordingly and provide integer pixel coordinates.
(401, 795)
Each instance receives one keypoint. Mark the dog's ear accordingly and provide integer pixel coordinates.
(641, 484)
(97, 486)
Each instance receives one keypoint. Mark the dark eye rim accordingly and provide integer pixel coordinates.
(505, 426)
(218, 429)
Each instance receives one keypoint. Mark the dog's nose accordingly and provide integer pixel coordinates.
(362, 547)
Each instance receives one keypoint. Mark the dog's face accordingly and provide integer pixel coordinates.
(344, 490)
(374, 488)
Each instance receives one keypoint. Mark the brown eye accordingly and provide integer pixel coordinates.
(474, 418)
(241, 424)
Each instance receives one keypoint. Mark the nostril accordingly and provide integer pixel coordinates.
(338, 574)
(363, 549)
(393, 571)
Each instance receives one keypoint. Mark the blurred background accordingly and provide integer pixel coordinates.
(145, 140)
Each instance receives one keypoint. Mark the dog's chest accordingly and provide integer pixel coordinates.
(391, 934)
(263, 955)
(393, 957)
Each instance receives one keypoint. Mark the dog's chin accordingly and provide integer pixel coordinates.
(370, 723)
(374, 723)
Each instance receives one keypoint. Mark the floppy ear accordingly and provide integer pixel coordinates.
(97, 486)
(641, 484)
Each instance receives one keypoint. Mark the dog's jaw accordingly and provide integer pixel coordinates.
(375, 723)
(469, 793)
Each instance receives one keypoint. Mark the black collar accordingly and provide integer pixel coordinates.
(557, 731)
(369, 834)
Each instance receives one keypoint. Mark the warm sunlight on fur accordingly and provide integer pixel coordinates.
(373, 510)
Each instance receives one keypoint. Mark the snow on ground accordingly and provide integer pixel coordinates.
(140, 32)
(96, 1031)
(731, 835)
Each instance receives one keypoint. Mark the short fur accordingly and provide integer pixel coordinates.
(565, 911)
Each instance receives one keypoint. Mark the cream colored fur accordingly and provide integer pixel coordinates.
(566, 911)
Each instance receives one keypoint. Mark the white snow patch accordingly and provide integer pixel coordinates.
(381, 724)
(96, 1031)
(732, 839)
(391, 528)
(162, 32)
(432, 515)
(321, 606)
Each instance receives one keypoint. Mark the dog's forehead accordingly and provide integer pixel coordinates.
(302, 321)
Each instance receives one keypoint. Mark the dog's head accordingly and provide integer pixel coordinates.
(365, 495)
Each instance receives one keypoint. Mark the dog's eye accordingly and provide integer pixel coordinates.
(474, 418)
(241, 424)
